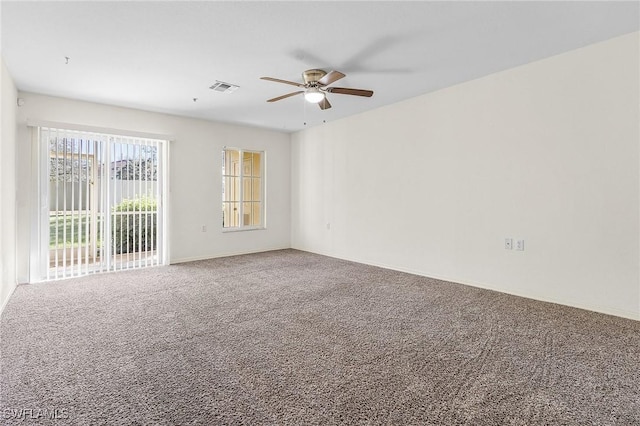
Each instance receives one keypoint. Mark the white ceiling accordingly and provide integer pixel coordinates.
(158, 56)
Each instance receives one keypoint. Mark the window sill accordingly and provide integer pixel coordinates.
(225, 230)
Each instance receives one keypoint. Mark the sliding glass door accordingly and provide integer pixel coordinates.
(102, 199)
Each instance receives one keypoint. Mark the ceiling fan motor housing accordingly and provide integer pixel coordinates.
(312, 76)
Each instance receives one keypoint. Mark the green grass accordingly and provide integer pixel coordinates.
(135, 220)
(62, 226)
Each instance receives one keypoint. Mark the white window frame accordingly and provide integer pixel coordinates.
(39, 269)
(263, 219)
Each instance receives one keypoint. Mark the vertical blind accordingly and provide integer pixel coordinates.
(105, 197)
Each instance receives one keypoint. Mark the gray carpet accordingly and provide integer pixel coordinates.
(292, 338)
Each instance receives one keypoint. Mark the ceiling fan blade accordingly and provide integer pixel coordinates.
(348, 91)
(277, 80)
(324, 104)
(333, 76)
(285, 96)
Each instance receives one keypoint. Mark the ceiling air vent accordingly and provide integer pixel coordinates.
(221, 86)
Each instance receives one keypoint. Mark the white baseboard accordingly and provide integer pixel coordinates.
(608, 310)
(4, 302)
(225, 254)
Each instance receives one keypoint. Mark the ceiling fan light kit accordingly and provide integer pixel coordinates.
(313, 95)
(316, 86)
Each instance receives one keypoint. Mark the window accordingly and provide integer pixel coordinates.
(242, 189)
(105, 203)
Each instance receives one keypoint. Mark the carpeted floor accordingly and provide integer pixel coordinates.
(292, 338)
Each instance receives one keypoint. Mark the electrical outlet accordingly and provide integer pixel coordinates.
(204, 228)
(328, 225)
(520, 245)
(508, 243)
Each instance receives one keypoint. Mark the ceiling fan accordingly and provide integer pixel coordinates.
(316, 86)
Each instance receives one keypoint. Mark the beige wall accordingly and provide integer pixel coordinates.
(195, 175)
(547, 152)
(8, 106)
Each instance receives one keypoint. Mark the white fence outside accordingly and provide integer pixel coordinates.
(118, 190)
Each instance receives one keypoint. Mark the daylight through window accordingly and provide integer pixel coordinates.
(242, 189)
